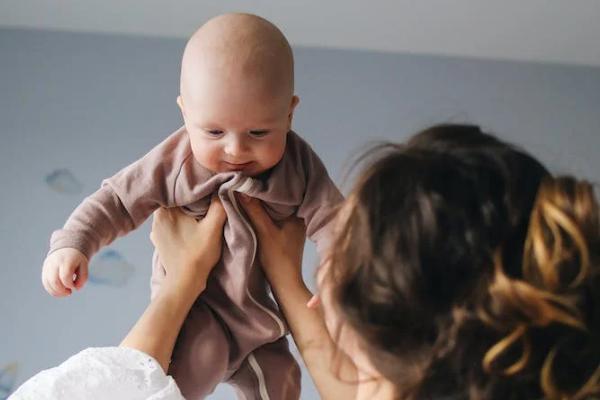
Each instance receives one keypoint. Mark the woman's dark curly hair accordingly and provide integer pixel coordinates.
(469, 271)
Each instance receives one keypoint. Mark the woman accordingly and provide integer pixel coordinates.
(461, 268)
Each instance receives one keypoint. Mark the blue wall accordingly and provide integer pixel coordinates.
(75, 108)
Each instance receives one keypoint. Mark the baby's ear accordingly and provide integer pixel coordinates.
(180, 104)
(295, 101)
(293, 104)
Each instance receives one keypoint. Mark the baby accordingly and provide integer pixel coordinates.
(237, 100)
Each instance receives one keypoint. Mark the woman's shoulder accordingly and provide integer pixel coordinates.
(102, 373)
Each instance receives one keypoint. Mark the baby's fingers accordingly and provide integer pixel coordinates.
(47, 286)
(54, 286)
(51, 281)
(82, 276)
(66, 273)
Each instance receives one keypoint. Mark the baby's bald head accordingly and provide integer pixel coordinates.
(238, 47)
(237, 94)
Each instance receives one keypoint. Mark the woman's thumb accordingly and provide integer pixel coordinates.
(256, 213)
(216, 212)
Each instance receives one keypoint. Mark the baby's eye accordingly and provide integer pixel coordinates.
(214, 132)
(259, 132)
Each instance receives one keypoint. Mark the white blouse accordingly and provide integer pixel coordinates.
(102, 373)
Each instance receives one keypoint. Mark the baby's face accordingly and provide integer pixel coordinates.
(236, 124)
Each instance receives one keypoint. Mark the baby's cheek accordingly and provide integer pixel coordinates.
(206, 155)
(273, 153)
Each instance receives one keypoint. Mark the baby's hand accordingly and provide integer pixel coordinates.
(64, 271)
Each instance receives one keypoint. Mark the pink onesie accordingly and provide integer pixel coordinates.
(234, 332)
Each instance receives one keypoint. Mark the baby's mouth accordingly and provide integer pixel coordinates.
(237, 166)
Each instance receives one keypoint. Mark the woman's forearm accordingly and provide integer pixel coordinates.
(306, 325)
(313, 340)
(157, 329)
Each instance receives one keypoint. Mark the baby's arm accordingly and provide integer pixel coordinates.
(321, 197)
(123, 202)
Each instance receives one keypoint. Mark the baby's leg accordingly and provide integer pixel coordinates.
(269, 373)
(201, 355)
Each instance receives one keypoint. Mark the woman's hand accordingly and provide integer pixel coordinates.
(280, 248)
(188, 249)
(280, 252)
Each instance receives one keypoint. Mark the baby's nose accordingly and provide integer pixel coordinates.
(235, 146)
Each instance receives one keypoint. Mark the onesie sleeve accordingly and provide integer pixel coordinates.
(125, 200)
(321, 197)
(102, 373)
